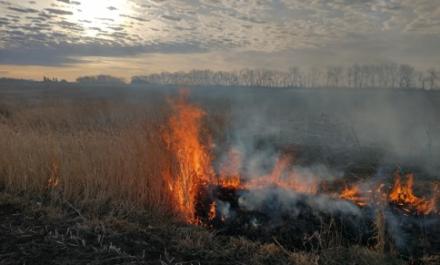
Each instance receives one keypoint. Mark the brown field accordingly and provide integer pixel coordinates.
(81, 183)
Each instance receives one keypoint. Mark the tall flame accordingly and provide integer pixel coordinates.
(193, 160)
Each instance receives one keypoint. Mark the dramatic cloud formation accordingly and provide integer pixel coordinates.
(244, 33)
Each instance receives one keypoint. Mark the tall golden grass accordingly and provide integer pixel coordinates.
(101, 155)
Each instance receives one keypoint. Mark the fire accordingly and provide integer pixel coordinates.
(285, 178)
(230, 182)
(54, 179)
(193, 160)
(193, 170)
(403, 195)
(192, 176)
(355, 195)
(230, 170)
(280, 176)
(212, 211)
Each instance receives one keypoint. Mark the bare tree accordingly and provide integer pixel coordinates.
(432, 77)
(406, 75)
(334, 76)
(388, 75)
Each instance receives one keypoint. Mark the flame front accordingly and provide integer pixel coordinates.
(192, 174)
(193, 160)
(401, 195)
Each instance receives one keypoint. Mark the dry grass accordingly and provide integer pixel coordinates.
(99, 155)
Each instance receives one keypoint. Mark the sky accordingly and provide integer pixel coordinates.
(71, 38)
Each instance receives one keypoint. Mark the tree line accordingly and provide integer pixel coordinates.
(390, 75)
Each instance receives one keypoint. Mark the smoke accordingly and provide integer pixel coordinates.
(336, 127)
(399, 237)
(290, 153)
(276, 202)
(224, 209)
(327, 205)
(324, 134)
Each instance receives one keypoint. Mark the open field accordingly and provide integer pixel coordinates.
(81, 170)
(250, 132)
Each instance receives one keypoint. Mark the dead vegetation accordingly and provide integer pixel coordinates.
(80, 184)
(86, 154)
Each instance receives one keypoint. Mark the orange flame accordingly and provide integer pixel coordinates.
(281, 177)
(354, 194)
(403, 195)
(212, 211)
(54, 179)
(230, 171)
(230, 182)
(192, 157)
(284, 178)
(193, 171)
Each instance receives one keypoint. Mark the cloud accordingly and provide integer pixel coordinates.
(356, 28)
(58, 11)
(66, 54)
(23, 10)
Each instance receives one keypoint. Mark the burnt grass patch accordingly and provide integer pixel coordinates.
(36, 231)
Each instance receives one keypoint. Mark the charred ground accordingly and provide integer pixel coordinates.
(34, 231)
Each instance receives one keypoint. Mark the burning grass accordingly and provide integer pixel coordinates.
(288, 203)
(103, 160)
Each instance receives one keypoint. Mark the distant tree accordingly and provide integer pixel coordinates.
(100, 80)
(294, 76)
(406, 75)
(50, 80)
(388, 75)
(421, 80)
(432, 77)
(334, 76)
